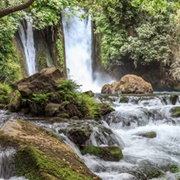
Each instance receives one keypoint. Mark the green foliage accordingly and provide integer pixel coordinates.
(92, 106)
(9, 63)
(130, 32)
(41, 99)
(68, 91)
(5, 91)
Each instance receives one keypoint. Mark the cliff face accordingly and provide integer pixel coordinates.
(49, 52)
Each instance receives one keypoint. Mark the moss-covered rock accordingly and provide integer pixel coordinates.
(108, 153)
(124, 99)
(151, 134)
(173, 98)
(175, 111)
(105, 109)
(40, 155)
(147, 173)
(79, 135)
(89, 93)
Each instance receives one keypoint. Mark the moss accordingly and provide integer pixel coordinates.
(175, 111)
(151, 134)
(105, 130)
(40, 156)
(79, 135)
(75, 117)
(35, 164)
(105, 109)
(173, 168)
(110, 153)
(147, 173)
(124, 99)
(5, 91)
(89, 93)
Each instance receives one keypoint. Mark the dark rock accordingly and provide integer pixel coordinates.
(52, 109)
(45, 81)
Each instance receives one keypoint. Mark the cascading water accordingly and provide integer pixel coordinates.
(78, 43)
(136, 116)
(27, 39)
(7, 154)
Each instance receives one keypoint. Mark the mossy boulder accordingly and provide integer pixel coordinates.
(175, 111)
(89, 93)
(52, 109)
(79, 135)
(151, 134)
(147, 173)
(105, 109)
(41, 155)
(107, 153)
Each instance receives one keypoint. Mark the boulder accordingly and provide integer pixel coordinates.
(44, 81)
(107, 153)
(128, 84)
(52, 109)
(41, 154)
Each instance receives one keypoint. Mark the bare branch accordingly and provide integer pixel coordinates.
(12, 9)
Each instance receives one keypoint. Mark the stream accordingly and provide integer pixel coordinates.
(130, 120)
(134, 116)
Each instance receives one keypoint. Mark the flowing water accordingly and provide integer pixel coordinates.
(136, 116)
(78, 50)
(7, 154)
(26, 35)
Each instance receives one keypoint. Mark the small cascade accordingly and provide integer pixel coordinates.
(134, 117)
(78, 49)
(7, 163)
(26, 35)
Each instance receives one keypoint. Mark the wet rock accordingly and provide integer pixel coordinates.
(128, 84)
(151, 134)
(105, 109)
(147, 173)
(175, 111)
(108, 153)
(40, 154)
(89, 93)
(52, 109)
(79, 135)
(173, 99)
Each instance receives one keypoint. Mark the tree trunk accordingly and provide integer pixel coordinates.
(6, 11)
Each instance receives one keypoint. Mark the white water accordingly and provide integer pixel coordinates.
(139, 115)
(78, 49)
(27, 39)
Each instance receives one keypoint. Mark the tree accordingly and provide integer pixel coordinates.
(15, 8)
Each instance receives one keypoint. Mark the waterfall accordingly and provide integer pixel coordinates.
(26, 35)
(78, 50)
